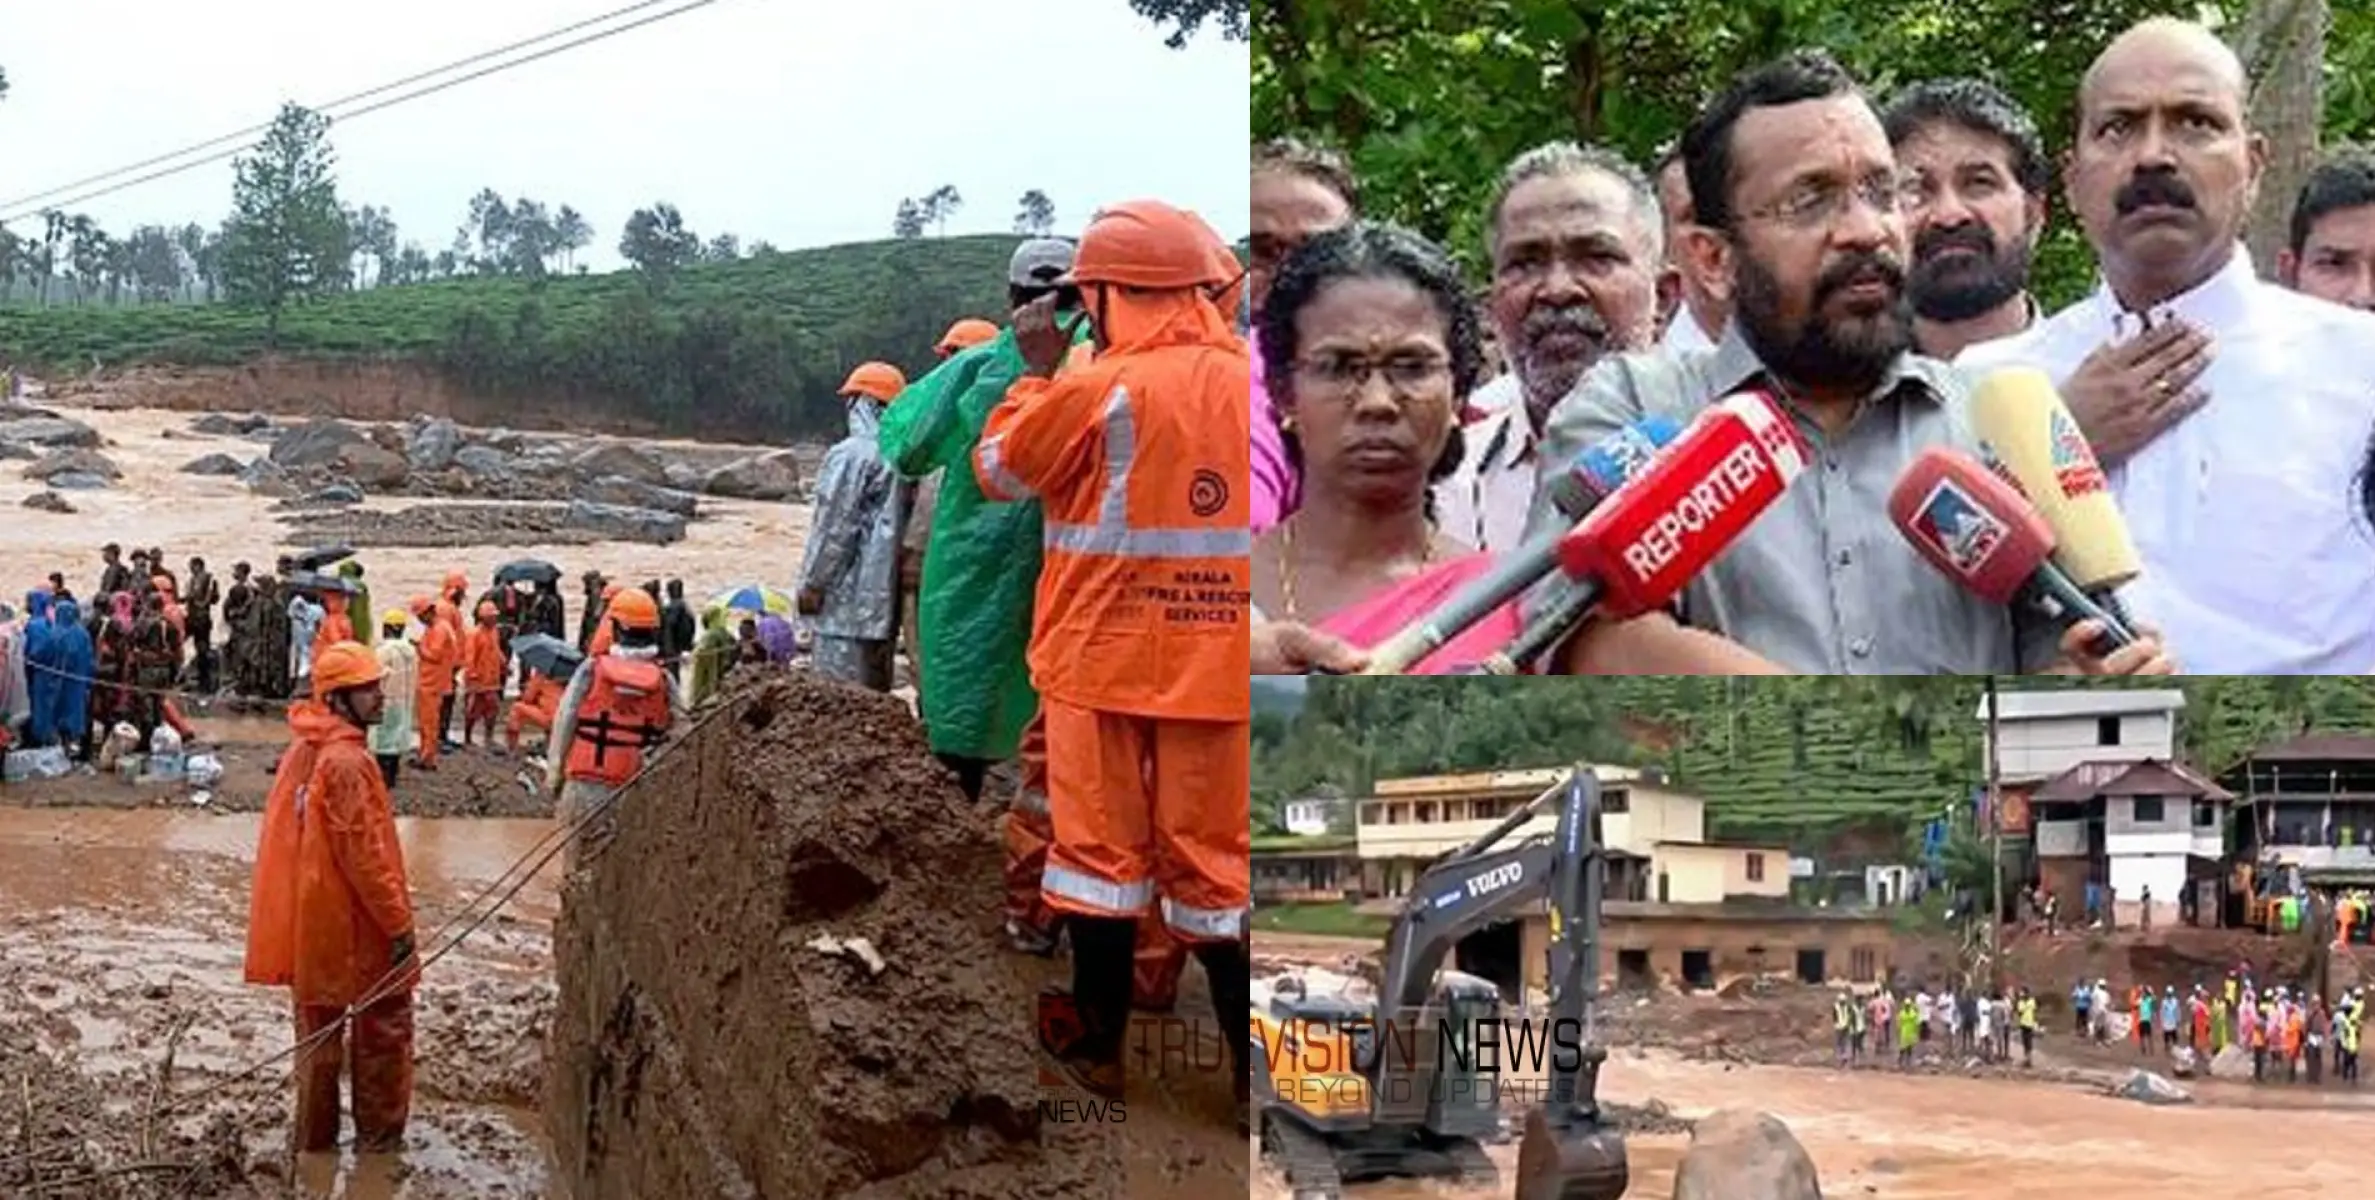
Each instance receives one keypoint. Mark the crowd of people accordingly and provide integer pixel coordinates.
(1898, 1026)
(2289, 1031)
(1866, 261)
(1073, 582)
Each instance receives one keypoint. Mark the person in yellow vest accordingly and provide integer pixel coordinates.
(2028, 1028)
(1859, 1026)
(1843, 1026)
(2346, 1039)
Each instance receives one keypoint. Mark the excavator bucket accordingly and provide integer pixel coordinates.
(1578, 1160)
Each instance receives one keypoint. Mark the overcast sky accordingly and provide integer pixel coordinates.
(790, 121)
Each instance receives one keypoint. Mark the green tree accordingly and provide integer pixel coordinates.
(1187, 17)
(942, 204)
(1035, 214)
(287, 237)
(657, 243)
(1430, 100)
(908, 222)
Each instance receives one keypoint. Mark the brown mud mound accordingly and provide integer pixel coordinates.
(705, 1047)
(471, 782)
(439, 525)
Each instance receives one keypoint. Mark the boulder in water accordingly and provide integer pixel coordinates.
(226, 423)
(48, 502)
(625, 524)
(48, 431)
(433, 445)
(772, 476)
(2234, 1062)
(213, 464)
(620, 458)
(620, 490)
(2145, 1087)
(1737, 1154)
(76, 462)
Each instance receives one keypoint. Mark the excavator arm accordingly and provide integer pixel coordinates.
(1566, 1154)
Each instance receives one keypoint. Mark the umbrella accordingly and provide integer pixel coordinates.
(321, 556)
(754, 598)
(546, 655)
(315, 581)
(527, 570)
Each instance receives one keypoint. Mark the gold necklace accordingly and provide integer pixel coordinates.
(1286, 563)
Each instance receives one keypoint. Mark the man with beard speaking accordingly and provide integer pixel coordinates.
(1798, 224)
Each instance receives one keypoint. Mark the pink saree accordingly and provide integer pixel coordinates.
(1388, 612)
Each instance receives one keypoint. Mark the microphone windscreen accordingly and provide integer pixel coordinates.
(1970, 524)
(2033, 440)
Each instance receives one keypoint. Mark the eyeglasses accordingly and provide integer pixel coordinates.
(1406, 375)
(1816, 205)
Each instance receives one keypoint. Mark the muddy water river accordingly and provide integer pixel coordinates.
(219, 520)
(1939, 1137)
(115, 926)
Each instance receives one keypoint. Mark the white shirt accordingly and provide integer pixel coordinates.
(2255, 559)
(1484, 503)
(1684, 333)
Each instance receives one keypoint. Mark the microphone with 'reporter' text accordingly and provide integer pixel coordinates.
(1985, 535)
(1575, 492)
(1637, 550)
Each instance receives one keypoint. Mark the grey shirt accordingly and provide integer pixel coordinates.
(1822, 583)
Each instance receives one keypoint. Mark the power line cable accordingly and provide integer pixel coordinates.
(15, 214)
(342, 101)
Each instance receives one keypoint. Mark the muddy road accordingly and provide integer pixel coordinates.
(119, 927)
(1943, 1135)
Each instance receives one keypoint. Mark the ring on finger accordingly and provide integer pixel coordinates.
(2160, 388)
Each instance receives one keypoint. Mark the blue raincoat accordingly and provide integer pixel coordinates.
(72, 654)
(41, 683)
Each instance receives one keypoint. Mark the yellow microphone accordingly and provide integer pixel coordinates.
(2032, 442)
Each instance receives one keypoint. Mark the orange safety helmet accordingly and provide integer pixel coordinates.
(965, 334)
(633, 609)
(455, 581)
(422, 606)
(1149, 244)
(343, 665)
(880, 380)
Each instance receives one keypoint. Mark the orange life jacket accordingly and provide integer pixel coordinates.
(625, 710)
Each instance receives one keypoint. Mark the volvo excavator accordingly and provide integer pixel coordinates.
(1349, 1091)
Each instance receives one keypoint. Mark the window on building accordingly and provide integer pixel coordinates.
(1756, 868)
(1372, 814)
(1426, 812)
(2149, 810)
(1860, 964)
(2107, 731)
(1616, 800)
(2205, 815)
(1397, 814)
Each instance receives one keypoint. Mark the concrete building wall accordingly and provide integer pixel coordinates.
(2047, 746)
(2061, 839)
(1853, 950)
(2132, 873)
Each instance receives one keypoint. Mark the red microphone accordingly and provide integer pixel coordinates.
(1665, 523)
(1972, 524)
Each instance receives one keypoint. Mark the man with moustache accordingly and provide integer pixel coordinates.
(1796, 194)
(1974, 198)
(2242, 511)
(1575, 243)
(2331, 251)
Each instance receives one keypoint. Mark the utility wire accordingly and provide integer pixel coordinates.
(252, 130)
(16, 210)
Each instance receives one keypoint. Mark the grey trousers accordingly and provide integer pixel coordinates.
(865, 662)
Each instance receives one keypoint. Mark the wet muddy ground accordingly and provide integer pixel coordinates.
(2051, 1135)
(121, 934)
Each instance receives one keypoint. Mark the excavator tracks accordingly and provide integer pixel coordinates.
(1474, 1167)
(1300, 1155)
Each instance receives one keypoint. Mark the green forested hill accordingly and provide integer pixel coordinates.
(1772, 755)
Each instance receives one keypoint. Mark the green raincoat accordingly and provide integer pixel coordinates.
(981, 567)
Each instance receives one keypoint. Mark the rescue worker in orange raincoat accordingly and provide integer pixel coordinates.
(539, 697)
(600, 643)
(450, 599)
(1139, 638)
(440, 653)
(482, 674)
(1159, 958)
(331, 912)
(618, 706)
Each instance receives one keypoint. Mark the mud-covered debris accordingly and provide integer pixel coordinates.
(855, 948)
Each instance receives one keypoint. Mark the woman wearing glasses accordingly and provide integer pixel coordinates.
(1371, 345)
